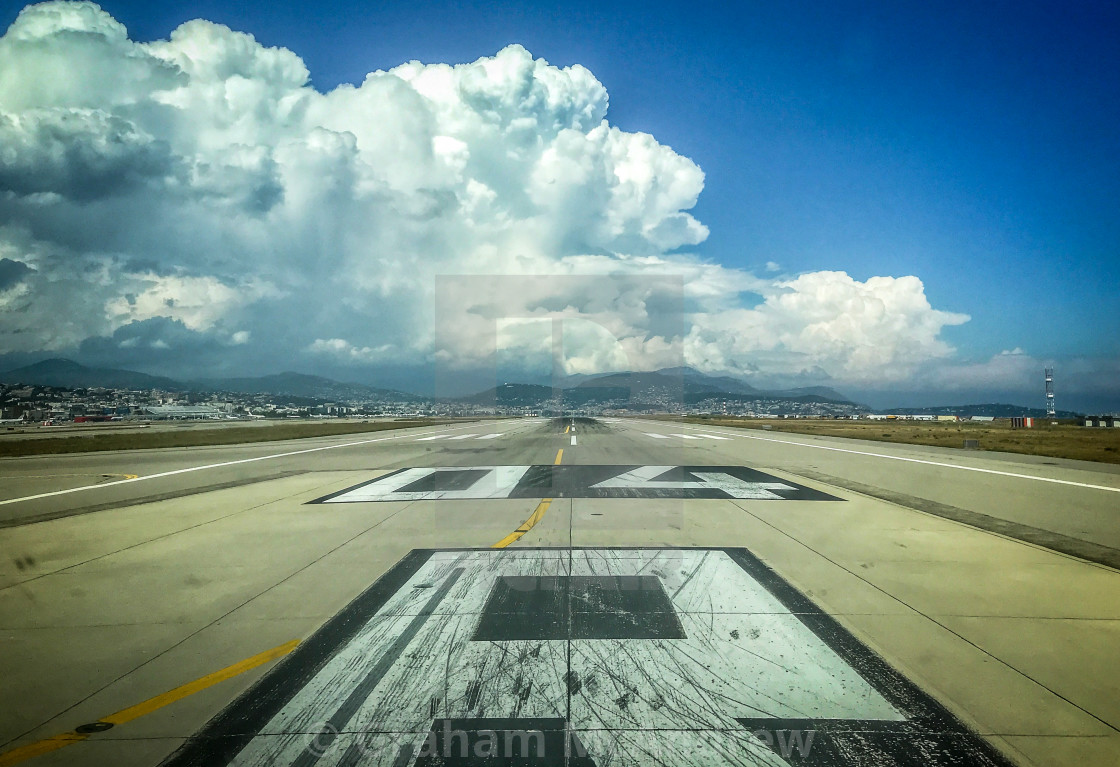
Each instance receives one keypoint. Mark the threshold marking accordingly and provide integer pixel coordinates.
(584, 657)
(935, 463)
(223, 464)
(17, 755)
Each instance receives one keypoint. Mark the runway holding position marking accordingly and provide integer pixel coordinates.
(583, 657)
(577, 481)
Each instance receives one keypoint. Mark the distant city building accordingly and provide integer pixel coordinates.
(183, 411)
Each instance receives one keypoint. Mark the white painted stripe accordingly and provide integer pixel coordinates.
(206, 466)
(785, 669)
(712, 436)
(490, 436)
(656, 436)
(643, 478)
(427, 439)
(573, 439)
(1016, 475)
(497, 482)
(462, 436)
(685, 436)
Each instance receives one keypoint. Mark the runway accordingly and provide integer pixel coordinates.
(615, 591)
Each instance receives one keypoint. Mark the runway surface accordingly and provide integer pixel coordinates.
(608, 592)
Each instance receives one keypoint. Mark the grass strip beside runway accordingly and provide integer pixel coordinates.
(1066, 440)
(198, 436)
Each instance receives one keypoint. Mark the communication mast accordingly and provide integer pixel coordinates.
(1051, 412)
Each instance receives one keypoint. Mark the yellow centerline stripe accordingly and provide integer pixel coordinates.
(55, 742)
(534, 518)
(41, 747)
(190, 688)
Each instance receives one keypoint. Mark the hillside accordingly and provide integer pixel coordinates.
(68, 374)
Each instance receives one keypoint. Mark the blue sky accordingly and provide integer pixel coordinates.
(975, 146)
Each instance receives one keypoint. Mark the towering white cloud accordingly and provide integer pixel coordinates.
(200, 188)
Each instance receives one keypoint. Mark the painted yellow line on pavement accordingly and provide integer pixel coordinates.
(56, 742)
(159, 701)
(567, 429)
(534, 518)
(23, 753)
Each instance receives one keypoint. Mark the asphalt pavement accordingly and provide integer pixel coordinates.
(606, 591)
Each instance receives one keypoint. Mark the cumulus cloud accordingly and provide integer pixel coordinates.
(198, 193)
(857, 331)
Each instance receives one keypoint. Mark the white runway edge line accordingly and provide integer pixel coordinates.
(935, 463)
(207, 466)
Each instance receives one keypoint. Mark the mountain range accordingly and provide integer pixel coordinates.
(680, 384)
(69, 374)
(640, 390)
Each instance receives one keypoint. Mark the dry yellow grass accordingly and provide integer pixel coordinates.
(1066, 440)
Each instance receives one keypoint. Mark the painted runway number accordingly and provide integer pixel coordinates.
(549, 481)
(585, 657)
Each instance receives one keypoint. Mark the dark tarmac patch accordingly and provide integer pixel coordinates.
(578, 607)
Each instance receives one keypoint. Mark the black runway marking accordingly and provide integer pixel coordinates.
(341, 718)
(578, 607)
(224, 736)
